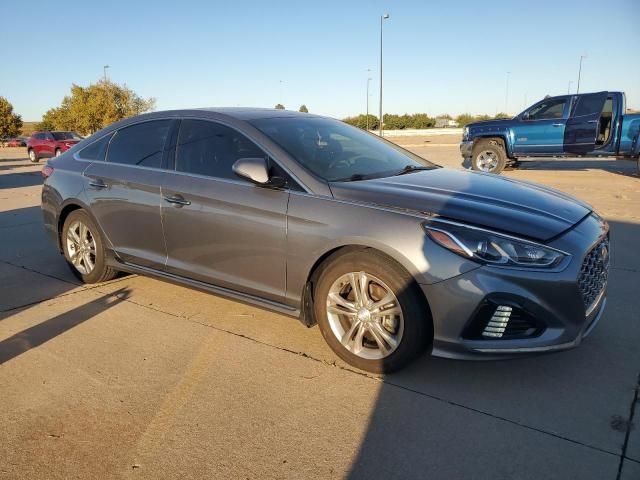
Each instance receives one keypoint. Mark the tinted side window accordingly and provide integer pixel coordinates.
(39, 136)
(97, 150)
(588, 104)
(140, 144)
(211, 149)
(548, 110)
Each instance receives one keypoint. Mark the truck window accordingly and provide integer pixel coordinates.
(552, 108)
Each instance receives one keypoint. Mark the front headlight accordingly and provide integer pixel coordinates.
(493, 248)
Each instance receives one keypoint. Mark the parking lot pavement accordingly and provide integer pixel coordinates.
(142, 378)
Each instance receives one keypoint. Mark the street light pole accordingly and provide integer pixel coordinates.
(382, 18)
(580, 72)
(104, 72)
(569, 87)
(368, 82)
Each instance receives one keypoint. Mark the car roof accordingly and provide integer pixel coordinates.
(244, 113)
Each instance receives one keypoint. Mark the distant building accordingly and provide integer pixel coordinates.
(446, 123)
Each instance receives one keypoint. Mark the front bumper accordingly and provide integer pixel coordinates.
(465, 148)
(552, 300)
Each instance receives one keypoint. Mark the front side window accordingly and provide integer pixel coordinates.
(336, 151)
(549, 109)
(97, 150)
(141, 144)
(211, 149)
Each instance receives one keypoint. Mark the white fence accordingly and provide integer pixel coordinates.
(420, 132)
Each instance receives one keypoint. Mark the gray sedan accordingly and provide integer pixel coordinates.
(387, 253)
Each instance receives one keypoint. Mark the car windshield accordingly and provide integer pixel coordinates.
(66, 136)
(336, 151)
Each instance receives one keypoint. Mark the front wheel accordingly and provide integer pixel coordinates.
(371, 312)
(33, 156)
(84, 249)
(489, 156)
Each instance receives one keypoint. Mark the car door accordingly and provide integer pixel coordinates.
(124, 191)
(38, 143)
(219, 228)
(48, 145)
(582, 128)
(540, 129)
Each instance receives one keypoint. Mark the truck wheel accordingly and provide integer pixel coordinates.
(488, 155)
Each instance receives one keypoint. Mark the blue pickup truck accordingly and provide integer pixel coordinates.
(589, 124)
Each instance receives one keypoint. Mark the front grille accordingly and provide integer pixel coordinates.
(594, 273)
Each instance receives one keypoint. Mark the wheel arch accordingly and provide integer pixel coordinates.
(503, 137)
(307, 316)
(71, 206)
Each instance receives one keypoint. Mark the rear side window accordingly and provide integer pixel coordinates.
(588, 105)
(97, 150)
(211, 149)
(39, 136)
(140, 144)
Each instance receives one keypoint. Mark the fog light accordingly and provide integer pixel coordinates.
(498, 323)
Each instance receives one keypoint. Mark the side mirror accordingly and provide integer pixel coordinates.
(255, 170)
(525, 116)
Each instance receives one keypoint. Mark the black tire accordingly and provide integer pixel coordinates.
(33, 156)
(417, 326)
(100, 272)
(489, 146)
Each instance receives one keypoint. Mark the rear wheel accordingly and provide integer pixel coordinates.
(488, 155)
(370, 311)
(33, 156)
(84, 249)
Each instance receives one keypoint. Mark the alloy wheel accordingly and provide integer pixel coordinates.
(487, 161)
(81, 246)
(365, 315)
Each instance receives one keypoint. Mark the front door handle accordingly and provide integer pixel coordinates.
(556, 124)
(97, 183)
(177, 200)
(593, 121)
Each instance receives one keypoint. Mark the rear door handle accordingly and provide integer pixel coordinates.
(98, 183)
(593, 121)
(177, 200)
(556, 124)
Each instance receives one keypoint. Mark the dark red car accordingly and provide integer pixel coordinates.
(50, 144)
(15, 142)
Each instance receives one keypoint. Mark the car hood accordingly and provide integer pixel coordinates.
(503, 122)
(482, 199)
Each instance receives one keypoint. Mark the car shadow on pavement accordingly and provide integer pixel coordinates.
(20, 179)
(40, 333)
(442, 418)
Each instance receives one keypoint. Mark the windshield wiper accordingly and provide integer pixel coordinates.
(353, 178)
(411, 168)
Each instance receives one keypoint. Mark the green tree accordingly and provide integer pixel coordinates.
(303, 108)
(360, 121)
(502, 115)
(10, 123)
(279, 107)
(88, 109)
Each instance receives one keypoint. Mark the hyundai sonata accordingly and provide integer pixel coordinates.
(386, 252)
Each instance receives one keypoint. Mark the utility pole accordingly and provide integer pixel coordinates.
(382, 18)
(104, 72)
(580, 72)
(569, 87)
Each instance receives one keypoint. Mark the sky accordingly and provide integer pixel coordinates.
(439, 56)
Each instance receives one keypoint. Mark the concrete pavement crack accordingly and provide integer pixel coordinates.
(632, 411)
